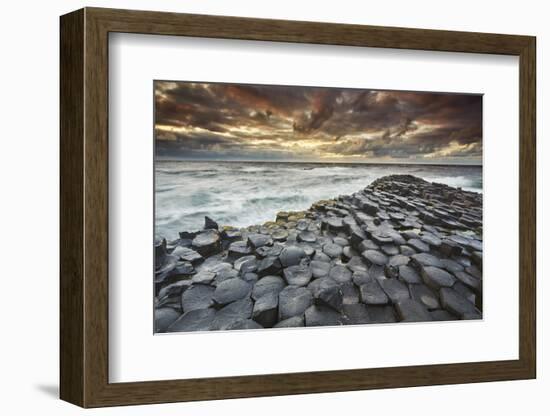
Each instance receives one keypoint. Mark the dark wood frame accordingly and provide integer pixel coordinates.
(84, 207)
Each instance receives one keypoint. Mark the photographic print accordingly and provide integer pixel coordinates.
(299, 206)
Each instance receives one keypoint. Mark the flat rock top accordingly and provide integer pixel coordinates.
(401, 249)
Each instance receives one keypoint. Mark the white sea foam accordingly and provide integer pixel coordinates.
(242, 194)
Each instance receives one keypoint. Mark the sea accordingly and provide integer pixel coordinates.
(246, 193)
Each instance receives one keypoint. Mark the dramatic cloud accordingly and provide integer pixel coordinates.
(258, 122)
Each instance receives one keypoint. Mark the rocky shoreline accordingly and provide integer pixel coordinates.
(400, 250)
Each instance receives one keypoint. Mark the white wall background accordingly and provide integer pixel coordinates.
(29, 207)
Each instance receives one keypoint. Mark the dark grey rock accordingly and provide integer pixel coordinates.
(241, 260)
(380, 238)
(476, 245)
(470, 281)
(436, 277)
(342, 242)
(369, 207)
(350, 293)
(424, 295)
(452, 266)
(450, 248)
(367, 245)
(187, 254)
(381, 314)
(186, 235)
(279, 235)
(160, 251)
(374, 257)
(293, 301)
(466, 292)
(409, 234)
(356, 314)
(302, 224)
(319, 315)
(430, 239)
(265, 309)
(204, 276)
(334, 224)
(391, 272)
(357, 236)
(210, 224)
(269, 266)
(389, 249)
(418, 245)
(306, 237)
(267, 284)
(340, 273)
(166, 268)
(377, 272)
(292, 322)
(396, 216)
(399, 260)
(424, 259)
(309, 250)
(372, 294)
(319, 269)
(231, 290)
(207, 243)
(348, 252)
(250, 277)
(217, 267)
(249, 266)
(332, 250)
(231, 234)
(232, 313)
(474, 271)
(291, 256)
(457, 304)
(409, 275)
(395, 289)
(275, 250)
(396, 237)
(406, 250)
(182, 269)
(238, 249)
(197, 297)
(327, 292)
(357, 264)
(259, 240)
(175, 289)
(361, 277)
(173, 302)
(224, 275)
(320, 256)
(410, 310)
(164, 317)
(262, 252)
(298, 275)
(195, 320)
(477, 258)
(442, 315)
(463, 241)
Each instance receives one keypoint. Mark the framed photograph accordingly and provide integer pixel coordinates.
(262, 207)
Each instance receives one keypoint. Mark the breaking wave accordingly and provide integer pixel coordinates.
(241, 194)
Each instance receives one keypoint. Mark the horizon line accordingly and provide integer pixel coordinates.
(315, 162)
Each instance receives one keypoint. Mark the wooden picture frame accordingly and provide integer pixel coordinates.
(84, 207)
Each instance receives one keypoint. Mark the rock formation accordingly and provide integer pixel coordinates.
(400, 250)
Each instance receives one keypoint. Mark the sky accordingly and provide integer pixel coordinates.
(214, 121)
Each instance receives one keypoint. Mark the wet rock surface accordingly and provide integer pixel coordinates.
(400, 250)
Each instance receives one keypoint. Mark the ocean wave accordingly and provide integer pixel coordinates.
(238, 195)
